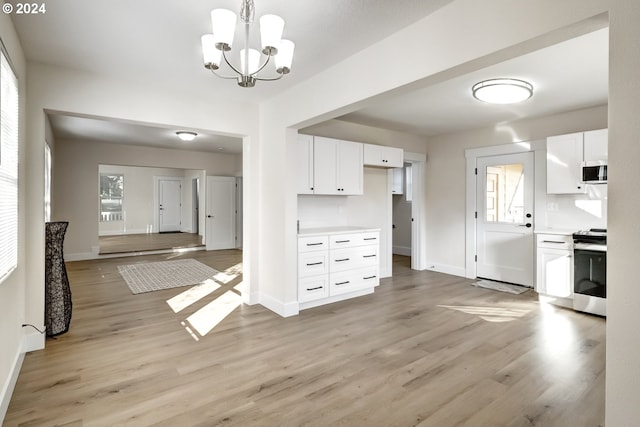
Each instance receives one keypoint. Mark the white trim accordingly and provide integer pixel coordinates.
(9, 386)
(418, 240)
(472, 154)
(279, 307)
(32, 341)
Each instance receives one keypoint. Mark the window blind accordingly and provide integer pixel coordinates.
(8, 167)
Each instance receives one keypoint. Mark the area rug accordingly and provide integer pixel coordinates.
(155, 276)
(500, 286)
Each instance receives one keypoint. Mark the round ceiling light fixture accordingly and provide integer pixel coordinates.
(186, 136)
(502, 91)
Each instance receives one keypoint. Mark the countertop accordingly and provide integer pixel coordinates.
(559, 231)
(333, 230)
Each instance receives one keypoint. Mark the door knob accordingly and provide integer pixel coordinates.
(209, 216)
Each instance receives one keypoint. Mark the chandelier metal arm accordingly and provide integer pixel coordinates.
(269, 79)
(224, 55)
(221, 75)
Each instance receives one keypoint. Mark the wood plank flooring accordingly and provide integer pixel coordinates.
(125, 243)
(426, 349)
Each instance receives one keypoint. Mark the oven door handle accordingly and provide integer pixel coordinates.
(590, 247)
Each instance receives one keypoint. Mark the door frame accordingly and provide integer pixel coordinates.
(156, 199)
(539, 147)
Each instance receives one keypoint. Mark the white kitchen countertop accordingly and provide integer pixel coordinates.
(333, 230)
(559, 231)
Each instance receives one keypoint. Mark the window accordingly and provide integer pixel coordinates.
(111, 191)
(8, 167)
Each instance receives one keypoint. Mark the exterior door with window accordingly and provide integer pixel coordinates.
(169, 205)
(504, 225)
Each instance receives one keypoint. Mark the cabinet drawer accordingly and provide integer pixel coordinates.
(313, 263)
(353, 239)
(343, 259)
(367, 256)
(554, 241)
(313, 288)
(354, 280)
(313, 243)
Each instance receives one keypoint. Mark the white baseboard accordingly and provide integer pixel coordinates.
(90, 255)
(9, 386)
(279, 307)
(32, 341)
(447, 269)
(402, 250)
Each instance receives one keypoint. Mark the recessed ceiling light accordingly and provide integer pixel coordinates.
(502, 91)
(186, 136)
(220, 148)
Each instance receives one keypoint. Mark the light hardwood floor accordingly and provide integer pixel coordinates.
(426, 349)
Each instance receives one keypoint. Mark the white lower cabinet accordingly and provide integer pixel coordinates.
(348, 263)
(554, 276)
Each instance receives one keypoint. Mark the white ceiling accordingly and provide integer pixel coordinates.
(157, 42)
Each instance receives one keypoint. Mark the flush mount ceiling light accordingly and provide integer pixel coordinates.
(502, 91)
(215, 46)
(186, 136)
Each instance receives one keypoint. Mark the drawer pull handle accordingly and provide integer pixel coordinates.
(342, 283)
(314, 263)
(368, 256)
(370, 238)
(314, 289)
(343, 259)
(370, 277)
(553, 241)
(343, 241)
(314, 244)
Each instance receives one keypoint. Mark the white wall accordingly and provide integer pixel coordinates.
(446, 168)
(138, 204)
(13, 337)
(76, 175)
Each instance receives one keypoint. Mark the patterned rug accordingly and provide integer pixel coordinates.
(500, 286)
(155, 276)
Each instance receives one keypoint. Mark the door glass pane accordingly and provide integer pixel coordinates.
(505, 194)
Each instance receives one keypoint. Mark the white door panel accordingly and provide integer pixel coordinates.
(221, 213)
(505, 188)
(169, 205)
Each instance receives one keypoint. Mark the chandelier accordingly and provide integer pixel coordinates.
(215, 46)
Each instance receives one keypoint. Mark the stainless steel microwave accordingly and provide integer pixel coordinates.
(594, 172)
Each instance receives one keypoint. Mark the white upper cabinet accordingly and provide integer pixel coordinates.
(337, 167)
(305, 164)
(565, 157)
(596, 145)
(564, 161)
(379, 155)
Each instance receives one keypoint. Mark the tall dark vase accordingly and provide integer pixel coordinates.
(57, 297)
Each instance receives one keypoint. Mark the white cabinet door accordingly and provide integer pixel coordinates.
(338, 167)
(379, 155)
(596, 145)
(564, 162)
(305, 164)
(350, 168)
(554, 272)
(325, 167)
(398, 181)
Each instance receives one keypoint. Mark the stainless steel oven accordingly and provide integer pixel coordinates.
(590, 271)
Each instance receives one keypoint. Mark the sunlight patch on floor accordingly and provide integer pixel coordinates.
(192, 295)
(205, 319)
(490, 314)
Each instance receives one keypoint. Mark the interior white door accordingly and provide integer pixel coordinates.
(221, 213)
(504, 225)
(169, 205)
